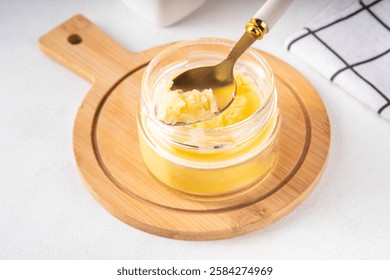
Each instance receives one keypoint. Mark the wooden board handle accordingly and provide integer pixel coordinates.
(85, 49)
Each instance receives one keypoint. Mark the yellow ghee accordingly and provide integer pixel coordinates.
(210, 181)
(176, 106)
(246, 102)
(216, 171)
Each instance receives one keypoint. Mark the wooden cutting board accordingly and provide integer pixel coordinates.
(106, 144)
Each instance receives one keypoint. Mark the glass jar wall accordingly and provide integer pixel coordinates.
(204, 160)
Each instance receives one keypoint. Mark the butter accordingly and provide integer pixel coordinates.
(176, 106)
(188, 169)
(246, 102)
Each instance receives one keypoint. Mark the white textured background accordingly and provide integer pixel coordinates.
(47, 213)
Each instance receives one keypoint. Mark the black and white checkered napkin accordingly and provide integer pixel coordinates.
(349, 43)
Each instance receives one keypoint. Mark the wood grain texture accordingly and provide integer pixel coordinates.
(109, 159)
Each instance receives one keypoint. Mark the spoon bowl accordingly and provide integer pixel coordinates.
(219, 78)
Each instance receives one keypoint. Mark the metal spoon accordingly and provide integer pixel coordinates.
(220, 77)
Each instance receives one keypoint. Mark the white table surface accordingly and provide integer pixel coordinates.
(47, 213)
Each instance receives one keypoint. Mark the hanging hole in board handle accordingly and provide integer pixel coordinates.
(75, 39)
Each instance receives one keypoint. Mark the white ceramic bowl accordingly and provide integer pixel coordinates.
(163, 12)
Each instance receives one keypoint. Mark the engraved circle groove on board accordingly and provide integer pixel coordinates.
(216, 209)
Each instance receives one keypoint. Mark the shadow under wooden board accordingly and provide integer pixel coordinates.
(106, 144)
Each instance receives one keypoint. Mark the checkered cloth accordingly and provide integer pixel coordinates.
(349, 43)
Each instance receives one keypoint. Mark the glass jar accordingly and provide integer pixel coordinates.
(208, 161)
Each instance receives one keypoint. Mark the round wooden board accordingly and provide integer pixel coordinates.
(109, 159)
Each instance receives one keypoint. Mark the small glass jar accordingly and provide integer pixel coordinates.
(209, 161)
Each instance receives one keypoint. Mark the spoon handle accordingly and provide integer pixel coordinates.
(271, 11)
(259, 25)
(240, 47)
